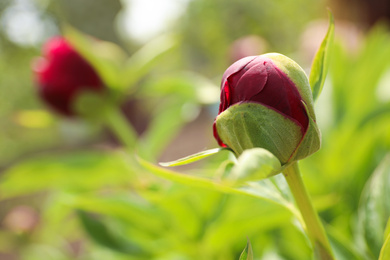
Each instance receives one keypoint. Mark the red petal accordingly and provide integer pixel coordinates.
(251, 83)
(236, 67)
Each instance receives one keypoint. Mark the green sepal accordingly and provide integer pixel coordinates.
(249, 125)
(255, 164)
(193, 157)
(311, 141)
(319, 68)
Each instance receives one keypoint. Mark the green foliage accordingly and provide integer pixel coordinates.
(111, 206)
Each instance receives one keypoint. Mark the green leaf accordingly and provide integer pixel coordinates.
(177, 86)
(343, 247)
(185, 85)
(105, 236)
(247, 254)
(387, 229)
(385, 251)
(77, 170)
(139, 213)
(267, 189)
(264, 189)
(319, 68)
(145, 58)
(111, 62)
(255, 164)
(167, 121)
(190, 180)
(377, 112)
(193, 158)
(374, 208)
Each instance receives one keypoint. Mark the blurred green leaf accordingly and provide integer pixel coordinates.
(184, 215)
(207, 92)
(105, 57)
(344, 248)
(77, 171)
(103, 235)
(179, 84)
(320, 64)
(139, 213)
(165, 124)
(380, 110)
(247, 254)
(193, 158)
(385, 251)
(117, 70)
(374, 209)
(255, 164)
(356, 77)
(265, 189)
(387, 229)
(186, 85)
(145, 58)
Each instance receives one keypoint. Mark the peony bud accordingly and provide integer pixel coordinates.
(266, 102)
(62, 74)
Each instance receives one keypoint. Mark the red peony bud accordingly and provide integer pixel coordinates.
(276, 84)
(62, 74)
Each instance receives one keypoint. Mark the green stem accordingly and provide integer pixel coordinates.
(313, 225)
(117, 122)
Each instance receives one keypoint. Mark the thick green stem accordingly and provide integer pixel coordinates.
(313, 225)
(120, 126)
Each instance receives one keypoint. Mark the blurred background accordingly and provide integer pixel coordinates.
(209, 36)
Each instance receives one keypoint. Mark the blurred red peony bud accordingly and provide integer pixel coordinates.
(266, 102)
(62, 74)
